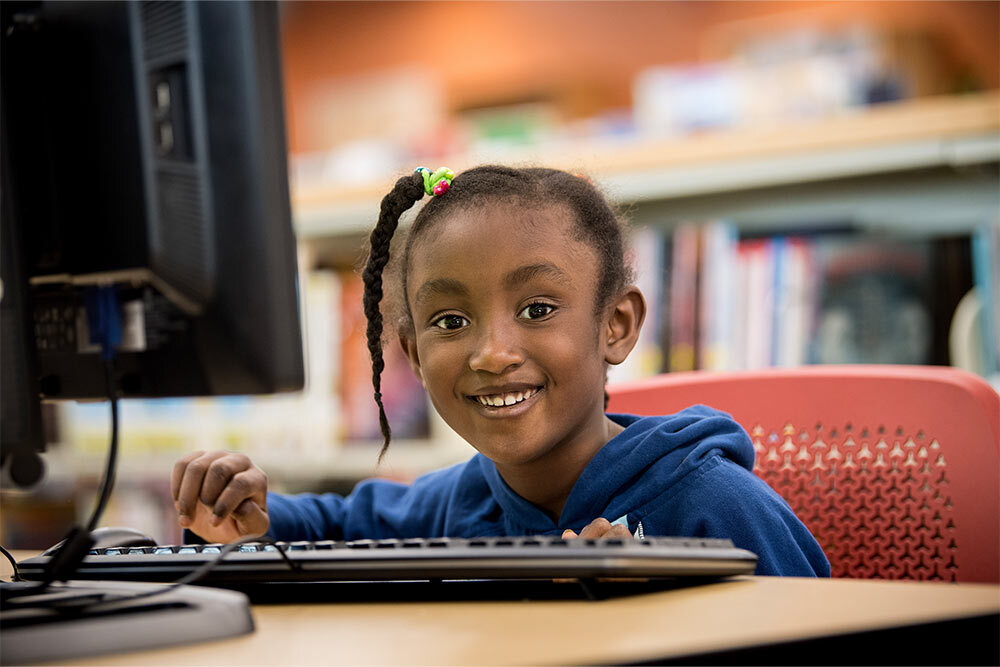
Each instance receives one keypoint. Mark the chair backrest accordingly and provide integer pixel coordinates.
(894, 469)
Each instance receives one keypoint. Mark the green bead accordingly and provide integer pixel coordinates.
(442, 173)
(432, 179)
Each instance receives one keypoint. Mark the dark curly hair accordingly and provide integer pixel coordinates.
(597, 225)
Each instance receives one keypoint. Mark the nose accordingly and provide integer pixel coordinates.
(496, 351)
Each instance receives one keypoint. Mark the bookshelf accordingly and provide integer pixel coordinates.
(942, 134)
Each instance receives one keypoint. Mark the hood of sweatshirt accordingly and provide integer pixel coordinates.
(645, 461)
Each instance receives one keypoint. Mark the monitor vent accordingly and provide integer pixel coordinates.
(164, 30)
(183, 254)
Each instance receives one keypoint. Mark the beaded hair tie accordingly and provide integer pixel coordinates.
(438, 182)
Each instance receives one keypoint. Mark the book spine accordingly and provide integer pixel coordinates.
(986, 276)
(683, 298)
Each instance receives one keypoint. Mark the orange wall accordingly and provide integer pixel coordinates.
(584, 53)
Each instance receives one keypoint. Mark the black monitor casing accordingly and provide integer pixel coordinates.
(144, 148)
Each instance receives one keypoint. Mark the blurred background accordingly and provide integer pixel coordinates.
(807, 182)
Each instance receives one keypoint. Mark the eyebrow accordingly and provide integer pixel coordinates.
(523, 274)
(440, 286)
(515, 278)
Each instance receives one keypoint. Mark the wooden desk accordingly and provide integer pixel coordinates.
(677, 624)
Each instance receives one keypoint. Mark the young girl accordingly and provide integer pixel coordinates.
(516, 298)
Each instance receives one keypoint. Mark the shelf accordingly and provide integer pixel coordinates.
(347, 462)
(952, 133)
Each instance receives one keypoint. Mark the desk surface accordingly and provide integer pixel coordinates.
(733, 614)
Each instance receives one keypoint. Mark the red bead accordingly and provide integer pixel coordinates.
(441, 188)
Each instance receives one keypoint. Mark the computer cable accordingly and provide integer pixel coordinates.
(105, 325)
(90, 603)
(108, 482)
(64, 562)
(13, 563)
(77, 544)
(104, 320)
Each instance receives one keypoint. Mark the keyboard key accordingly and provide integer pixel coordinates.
(360, 544)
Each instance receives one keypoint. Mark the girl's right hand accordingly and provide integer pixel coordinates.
(598, 528)
(221, 496)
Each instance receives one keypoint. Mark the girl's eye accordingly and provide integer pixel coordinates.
(535, 311)
(450, 322)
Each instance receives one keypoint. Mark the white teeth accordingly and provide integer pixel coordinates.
(500, 400)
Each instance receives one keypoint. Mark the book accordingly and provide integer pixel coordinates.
(717, 288)
(684, 298)
(794, 300)
(756, 272)
(406, 402)
(986, 275)
(873, 301)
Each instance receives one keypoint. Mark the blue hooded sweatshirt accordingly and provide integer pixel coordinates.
(687, 474)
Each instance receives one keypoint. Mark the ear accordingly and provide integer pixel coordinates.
(623, 321)
(409, 346)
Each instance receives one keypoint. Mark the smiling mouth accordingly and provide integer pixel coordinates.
(506, 399)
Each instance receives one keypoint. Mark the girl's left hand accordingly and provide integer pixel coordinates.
(598, 528)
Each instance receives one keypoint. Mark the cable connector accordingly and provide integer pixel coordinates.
(104, 318)
(67, 558)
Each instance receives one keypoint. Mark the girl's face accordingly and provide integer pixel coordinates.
(505, 337)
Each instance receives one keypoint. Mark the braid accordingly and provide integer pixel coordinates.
(407, 191)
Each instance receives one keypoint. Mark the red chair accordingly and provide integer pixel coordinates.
(894, 469)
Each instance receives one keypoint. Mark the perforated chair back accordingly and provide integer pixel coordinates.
(894, 469)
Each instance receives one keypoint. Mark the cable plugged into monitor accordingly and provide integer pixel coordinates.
(104, 319)
(105, 322)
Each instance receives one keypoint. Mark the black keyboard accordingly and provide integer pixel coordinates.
(435, 559)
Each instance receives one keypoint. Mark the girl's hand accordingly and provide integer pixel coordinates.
(221, 496)
(599, 527)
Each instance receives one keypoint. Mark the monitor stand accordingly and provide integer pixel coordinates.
(34, 630)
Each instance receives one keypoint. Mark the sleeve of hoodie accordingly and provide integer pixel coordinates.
(375, 509)
(722, 499)
(718, 495)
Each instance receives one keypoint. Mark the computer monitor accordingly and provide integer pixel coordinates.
(143, 149)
